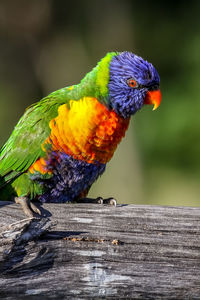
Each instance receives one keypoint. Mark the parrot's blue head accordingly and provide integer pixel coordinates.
(132, 83)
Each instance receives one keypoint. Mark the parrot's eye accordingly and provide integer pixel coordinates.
(132, 83)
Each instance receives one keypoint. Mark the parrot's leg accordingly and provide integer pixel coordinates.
(28, 207)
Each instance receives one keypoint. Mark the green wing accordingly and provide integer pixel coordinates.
(23, 147)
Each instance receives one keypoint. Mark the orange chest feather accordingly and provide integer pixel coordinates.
(86, 130)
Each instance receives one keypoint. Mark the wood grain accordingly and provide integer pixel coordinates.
(81, 251)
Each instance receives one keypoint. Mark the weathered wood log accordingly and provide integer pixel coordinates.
(102, 252)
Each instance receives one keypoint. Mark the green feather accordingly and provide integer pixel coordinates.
(23, 147)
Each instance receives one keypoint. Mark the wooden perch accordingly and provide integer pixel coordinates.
(91, 251)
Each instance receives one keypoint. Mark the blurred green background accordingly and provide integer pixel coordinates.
(49, 44)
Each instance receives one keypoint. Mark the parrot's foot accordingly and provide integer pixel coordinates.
(109, 201)
(28, 207)
(99, 200)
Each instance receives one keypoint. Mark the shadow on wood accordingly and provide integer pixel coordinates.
(81, 251)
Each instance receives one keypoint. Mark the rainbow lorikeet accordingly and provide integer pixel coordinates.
(62, 143)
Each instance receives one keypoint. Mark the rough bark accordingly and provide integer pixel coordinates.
(86, 251)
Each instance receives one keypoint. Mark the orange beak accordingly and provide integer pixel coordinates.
(154, 98)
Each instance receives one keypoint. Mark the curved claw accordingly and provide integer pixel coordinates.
(28, 207)
(99, 200)
(110, 201)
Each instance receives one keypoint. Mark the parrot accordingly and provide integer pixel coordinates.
(62, 144)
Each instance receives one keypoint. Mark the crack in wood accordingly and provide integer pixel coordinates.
(94, 240)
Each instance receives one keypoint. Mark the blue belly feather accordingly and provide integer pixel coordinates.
(70, 178)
